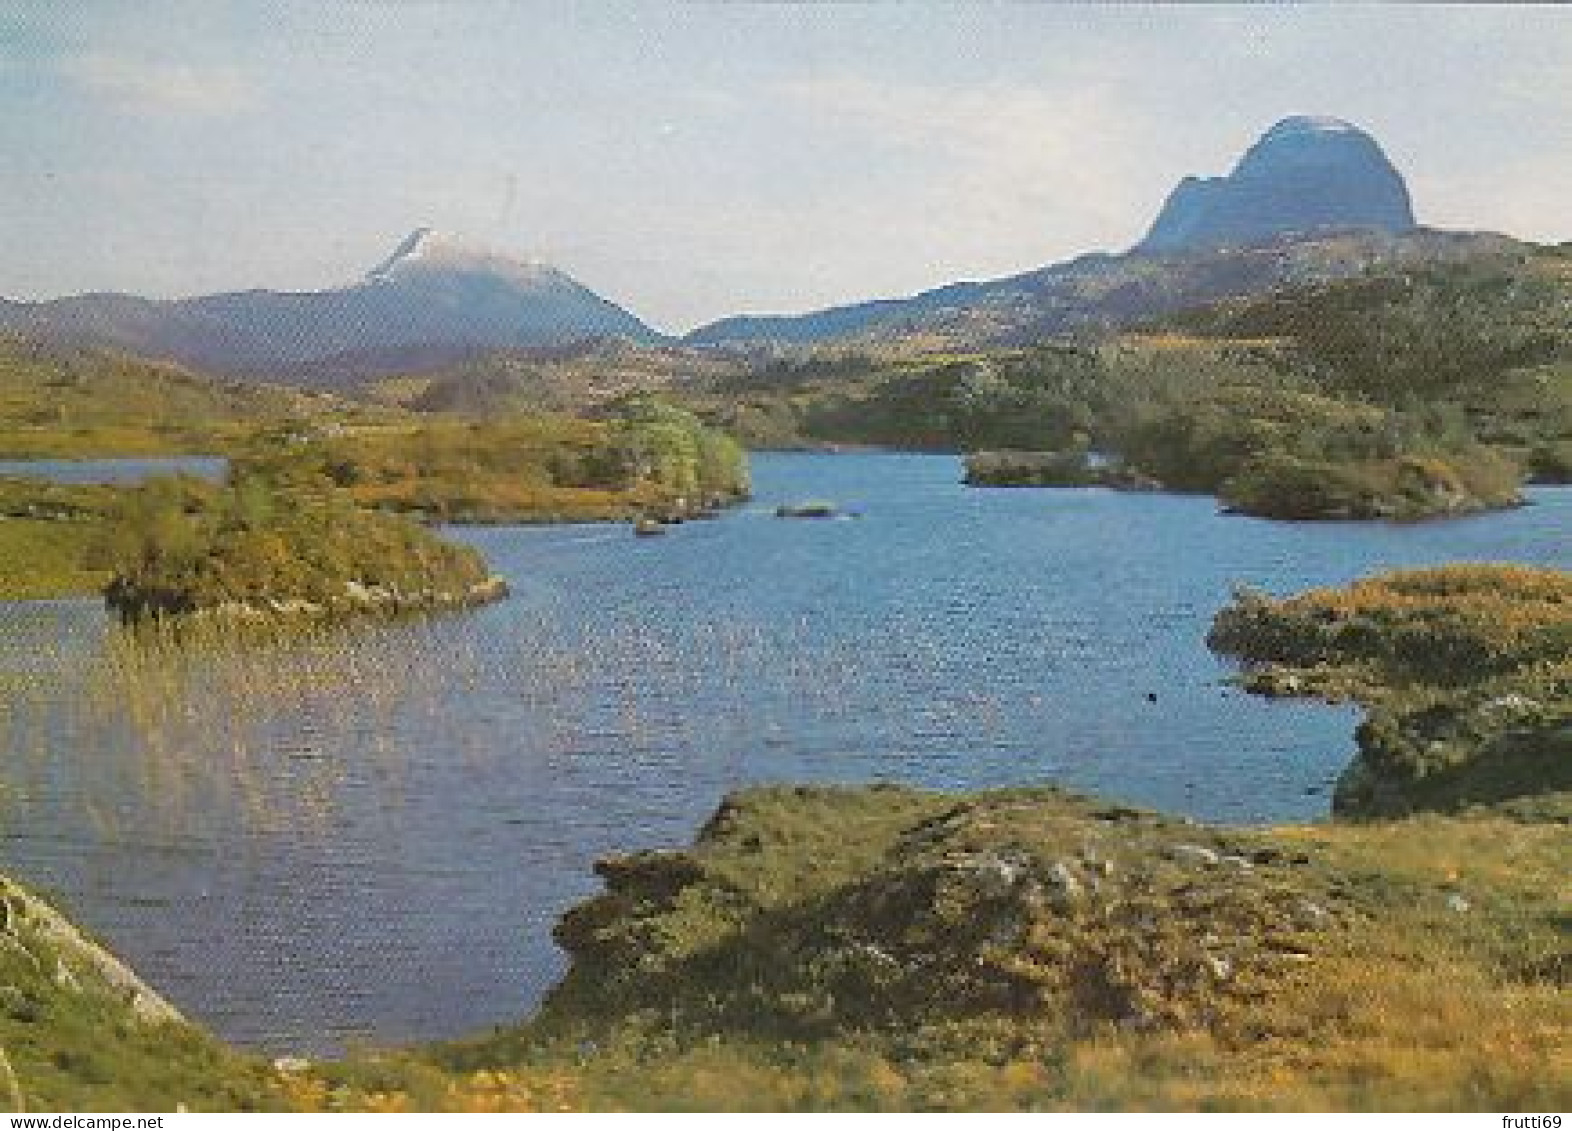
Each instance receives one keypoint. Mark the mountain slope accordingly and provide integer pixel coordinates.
(68, 401)
(431, 293)
(1305, 174)
(1314, 199)
(1104, 291)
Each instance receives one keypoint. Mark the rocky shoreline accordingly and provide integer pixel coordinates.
(358, 599)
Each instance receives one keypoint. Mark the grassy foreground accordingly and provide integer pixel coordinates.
(78, 1031)
(887, 948)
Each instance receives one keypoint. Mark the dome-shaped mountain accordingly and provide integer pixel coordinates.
(1305, 174)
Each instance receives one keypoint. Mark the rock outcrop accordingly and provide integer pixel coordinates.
(44, 940)
(1305, 175)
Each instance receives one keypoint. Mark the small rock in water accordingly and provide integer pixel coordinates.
(806, 510)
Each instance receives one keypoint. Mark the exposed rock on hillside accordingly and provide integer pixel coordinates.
(1305, 174)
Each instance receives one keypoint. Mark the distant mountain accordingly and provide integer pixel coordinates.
(1304, 175)
(1102, 292)
(1314, 199)
(432, 296)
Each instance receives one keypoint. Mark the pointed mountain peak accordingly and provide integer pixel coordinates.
(428, 248)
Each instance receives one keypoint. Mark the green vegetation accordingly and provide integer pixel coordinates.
(251, 549)
(47, 558)
(570, 379)
(649, 457)
(885, 948)
(47, 532)
(1491, 338)
(1031, 469)
(78, 1031)
(1424, 333)
(1466, 670)
(57, 402)
(297, 527)
(288, 529)
(888, 948)
(1406, 392)
(302, 527)
(1234, 419)
(178, 545)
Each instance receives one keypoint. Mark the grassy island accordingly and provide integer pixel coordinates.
(251, 550)
(318, 516)
(1030, 469)
(639, 457)
(1466, 671)
(647, 457)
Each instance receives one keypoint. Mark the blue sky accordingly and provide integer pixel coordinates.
(703, 160)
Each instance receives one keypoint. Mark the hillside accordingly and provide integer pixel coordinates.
(1491, 337)
(573, 378)
(431, 293)
(1404, 391)
(882, 948)
(1314, 199)
(1099, 292)
(80, 1032)
(64, 401)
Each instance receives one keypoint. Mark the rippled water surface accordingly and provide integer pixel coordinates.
(368, 834)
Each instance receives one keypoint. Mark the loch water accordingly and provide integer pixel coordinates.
(118, 470)
(367, 834)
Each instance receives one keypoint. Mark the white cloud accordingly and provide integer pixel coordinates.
(1000, 159)
(157, 87)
